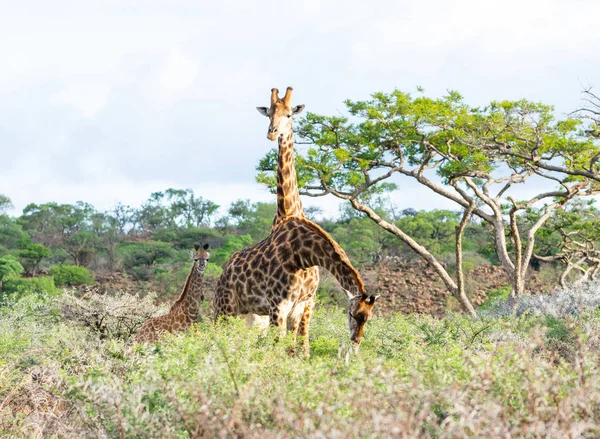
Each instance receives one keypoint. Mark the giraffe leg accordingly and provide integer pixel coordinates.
(276, 319)
(304, 325)
(292, 326)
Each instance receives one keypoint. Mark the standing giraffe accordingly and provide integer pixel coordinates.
(289, 205)
(261, 279)
(185, 310)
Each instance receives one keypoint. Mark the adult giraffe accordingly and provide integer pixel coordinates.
(306, 281)
(259, 279)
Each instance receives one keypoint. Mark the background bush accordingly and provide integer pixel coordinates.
(71, 275)
(29, 285)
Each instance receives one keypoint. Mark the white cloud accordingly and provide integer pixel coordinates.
(100, 106)
(88, 98)
(179, 73)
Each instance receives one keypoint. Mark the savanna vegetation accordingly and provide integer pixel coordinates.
(508, 361)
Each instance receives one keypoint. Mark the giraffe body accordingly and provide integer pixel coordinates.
(263, 279)
(185, 310)
(305, 282)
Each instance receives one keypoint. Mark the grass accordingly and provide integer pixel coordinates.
(504, 375)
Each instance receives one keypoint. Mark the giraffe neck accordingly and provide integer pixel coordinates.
(312, 246)
(288, 198)
(189, 300)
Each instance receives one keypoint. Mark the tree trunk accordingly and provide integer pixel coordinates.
(461, 295)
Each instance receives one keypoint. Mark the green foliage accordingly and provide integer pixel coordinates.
(170, 278)
(12, 235)
(560, 337)
(499, 295)
(233, 244)
(213, 271)
(5, 203)
(71, 275)
(185, 238)
(175, 208)
(9, 267)
(434, 229)
(363, 240)
(446, 377)
(32, 255)
(254, 219)
(137, 254)
(29, 285)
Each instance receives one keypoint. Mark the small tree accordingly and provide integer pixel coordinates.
(32, 255)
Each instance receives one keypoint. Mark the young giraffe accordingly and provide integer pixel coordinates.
(262, 279)
(289, 205)
(185, 310)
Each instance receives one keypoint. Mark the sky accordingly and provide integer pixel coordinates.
(109, 101)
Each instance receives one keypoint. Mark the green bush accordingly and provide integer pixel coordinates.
(232, 245)
(9, 267)
(187, 237)
(136, 254)
(71, 275)
(213, 271)
(496, 295)
(29, 285)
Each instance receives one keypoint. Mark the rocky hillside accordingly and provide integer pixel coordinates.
(404, 287)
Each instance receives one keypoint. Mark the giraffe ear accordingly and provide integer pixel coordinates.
(192, 255)
(263, 111)
(348, 293)
(298, 109)
(205, 247)
(372, 299)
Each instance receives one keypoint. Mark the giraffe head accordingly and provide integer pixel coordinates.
(359, 313)
(200, 258)
(280, 113)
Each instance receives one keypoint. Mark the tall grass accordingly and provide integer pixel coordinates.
(502, 375)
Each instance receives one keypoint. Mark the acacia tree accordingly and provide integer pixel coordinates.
(444, 145)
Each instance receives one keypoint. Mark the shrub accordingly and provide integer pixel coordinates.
(561, 302)
(138, 257)
(30, 285)
(71, 275)
(9, 267)
(111, 316)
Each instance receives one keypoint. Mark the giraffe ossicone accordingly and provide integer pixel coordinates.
(186, 308)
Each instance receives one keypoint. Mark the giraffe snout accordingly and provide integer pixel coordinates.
(272, 133)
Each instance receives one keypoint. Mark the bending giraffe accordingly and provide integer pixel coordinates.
(262, 279)
(280, 114)
(186, 308)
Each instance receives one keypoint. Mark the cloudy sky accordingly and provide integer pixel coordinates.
(110, 100)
